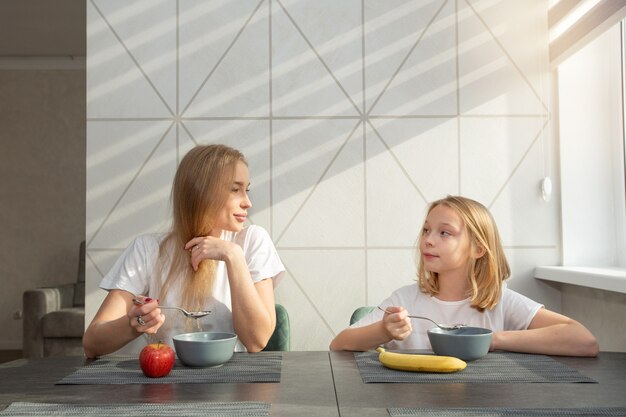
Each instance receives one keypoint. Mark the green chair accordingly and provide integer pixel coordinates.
(281, 338)
(359, 313)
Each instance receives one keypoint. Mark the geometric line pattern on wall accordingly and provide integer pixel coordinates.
(397, 161)
(485, 175)
(308, 298)
(248, 94)
(325, 66)
(130, 183)
(407, 105)
(317, 182)
(515, 169)
(394, 77)
(110, 79)
(509, 60)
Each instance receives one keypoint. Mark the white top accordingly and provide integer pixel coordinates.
(513, 312)
(133, 272)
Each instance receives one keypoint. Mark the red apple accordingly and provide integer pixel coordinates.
(157, 360)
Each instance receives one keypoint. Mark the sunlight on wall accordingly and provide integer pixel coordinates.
(353, 116)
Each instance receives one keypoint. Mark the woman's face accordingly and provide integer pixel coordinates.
(235, 211)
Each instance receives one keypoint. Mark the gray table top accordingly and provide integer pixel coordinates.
(355, 398)
(323, 384)
(306, 387)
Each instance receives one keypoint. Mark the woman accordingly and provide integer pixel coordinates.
(208, 261)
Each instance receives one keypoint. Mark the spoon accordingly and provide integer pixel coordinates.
(441, 326)
(192, 314)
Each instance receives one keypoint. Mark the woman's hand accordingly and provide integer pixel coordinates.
(254, 317)
(209, 247)
(145, 315)
(119, 321)
(396, 323)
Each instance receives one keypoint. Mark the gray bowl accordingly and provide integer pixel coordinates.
(467, 343)
(205, 349)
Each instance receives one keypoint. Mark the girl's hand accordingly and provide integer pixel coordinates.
(396, 324)
(147, 317)
(209, 247)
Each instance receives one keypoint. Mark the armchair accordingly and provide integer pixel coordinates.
(54, 317)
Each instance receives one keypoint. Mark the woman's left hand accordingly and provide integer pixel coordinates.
(208, 247)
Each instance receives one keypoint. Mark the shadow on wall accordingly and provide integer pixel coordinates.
(353, 115)
(306, 105)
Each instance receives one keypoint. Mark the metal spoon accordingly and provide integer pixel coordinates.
(441, 326)
(192, 314)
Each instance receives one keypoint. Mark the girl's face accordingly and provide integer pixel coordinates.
(235, 211)
(444, 243)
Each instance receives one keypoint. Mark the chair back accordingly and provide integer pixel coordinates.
(359, 313)
(281, 338)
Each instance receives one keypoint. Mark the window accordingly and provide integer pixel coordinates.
(591, 141)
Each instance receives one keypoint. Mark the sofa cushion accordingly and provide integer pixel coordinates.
(67, 322)
(63, 347)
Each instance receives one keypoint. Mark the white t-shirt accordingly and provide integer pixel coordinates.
(513, 312)
(134, 272)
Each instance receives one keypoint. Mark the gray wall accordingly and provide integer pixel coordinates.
(604, 312)
(42, 150)
(42, 185)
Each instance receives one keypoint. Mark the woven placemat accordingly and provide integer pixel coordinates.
(243, 367)
(513, 412)
(217, 409)
(498, 367)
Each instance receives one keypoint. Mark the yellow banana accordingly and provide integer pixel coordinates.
(419, 363)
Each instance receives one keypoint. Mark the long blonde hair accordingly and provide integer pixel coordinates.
(201, 186)
(486, 273)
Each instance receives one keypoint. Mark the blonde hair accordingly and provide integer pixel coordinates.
(201, 186)
(486, 273)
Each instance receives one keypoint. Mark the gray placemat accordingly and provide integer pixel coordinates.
(497, 367)
(243, 367)
(513, 412)
(236, 409)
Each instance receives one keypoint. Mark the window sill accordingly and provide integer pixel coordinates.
(603, 278)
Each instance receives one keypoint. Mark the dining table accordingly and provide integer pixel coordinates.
(321, 383)
(602, 386)
(305, 387)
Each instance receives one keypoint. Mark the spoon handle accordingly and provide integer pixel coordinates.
(422, 318)
(174, 308)
(193, 314)
(139, 302)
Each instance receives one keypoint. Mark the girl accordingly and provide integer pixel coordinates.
(461, 273)
(208, 261)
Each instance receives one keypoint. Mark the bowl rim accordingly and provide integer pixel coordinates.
(439, 331)
(184, 337)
